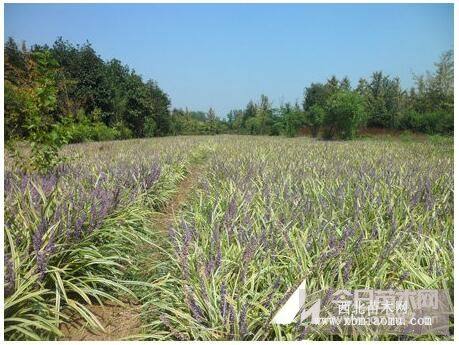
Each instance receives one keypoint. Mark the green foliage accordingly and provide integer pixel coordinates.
(316, 98)
(315, 118)
(78, 132)
(435, 92)
(46, 85)
(426, 109)
(344, 115)
(290, 120)
(31, 101)
(315, 94)
(257, 119)
(123, 132)
(383, 100)
(45, 149)
(441, 122)
(150, 127)
(212, 121)
(264, 117)
(17, 102)
(196, 122)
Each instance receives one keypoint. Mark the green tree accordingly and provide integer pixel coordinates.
(158, 104)
(384, 100)
(435, 92)
(212, 121)
(332, 85)
(345, 84)
(264, 117)
(316, 93)
(344, 114)
(315, 118)
(29, 105)
(235, 120)
(248, 118)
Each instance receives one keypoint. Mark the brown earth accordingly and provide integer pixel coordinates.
(124, 321)
(118, 321)
(165, 219)
(372, 131)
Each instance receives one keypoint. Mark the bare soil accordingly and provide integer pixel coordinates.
(165, 219)
(118, 321)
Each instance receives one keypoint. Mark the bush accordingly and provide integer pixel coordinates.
(123, 131)
(344, 115)
(42, 154)
(87, 131)
(288, 121)
(437, 122)
(150, 127)
(101, 132)
(315, 118)
(409, 120)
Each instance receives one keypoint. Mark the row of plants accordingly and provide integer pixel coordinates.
(71, 233)
(269, 213)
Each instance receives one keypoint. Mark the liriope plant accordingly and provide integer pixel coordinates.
(272, 212)
(71, 237)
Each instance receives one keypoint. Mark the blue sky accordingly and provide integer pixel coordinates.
(224, 55)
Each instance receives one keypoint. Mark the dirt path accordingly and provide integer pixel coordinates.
(118, 321)
(124, 321)
(166, 217)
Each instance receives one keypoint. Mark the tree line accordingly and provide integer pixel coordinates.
(336, 110)
(67, 87)
(68, 93)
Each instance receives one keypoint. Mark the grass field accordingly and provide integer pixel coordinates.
(206, 236)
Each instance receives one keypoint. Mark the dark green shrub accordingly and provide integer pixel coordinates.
(437, 122)
(344, 115)
(86, 131)
(100, 132)
(288, 120)
(315, 117)
(409, 120)
(123, 131)
(441, 122)
(150, 127)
